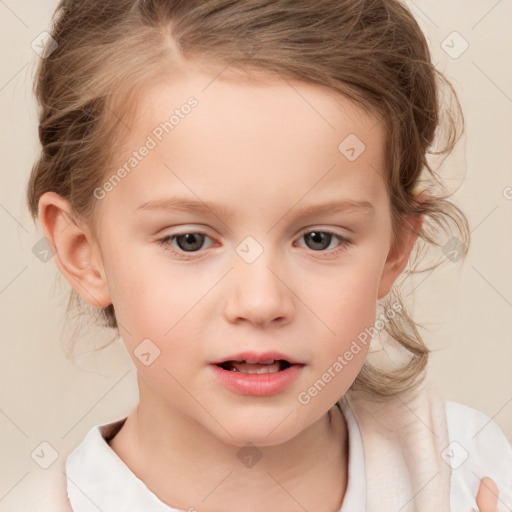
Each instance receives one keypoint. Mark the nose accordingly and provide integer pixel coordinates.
(258, 294)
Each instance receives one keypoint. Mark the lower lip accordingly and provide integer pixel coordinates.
(257, 384)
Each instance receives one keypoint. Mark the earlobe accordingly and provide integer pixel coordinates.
(75, 257)
(398, 256)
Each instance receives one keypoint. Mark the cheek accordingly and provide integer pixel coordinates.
(345, 305)
(147, 290)
(165, 303)
(347, 298)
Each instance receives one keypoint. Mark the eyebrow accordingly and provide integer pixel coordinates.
(184, 205)
(334, 206)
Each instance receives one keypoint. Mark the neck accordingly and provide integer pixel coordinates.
(189, 468)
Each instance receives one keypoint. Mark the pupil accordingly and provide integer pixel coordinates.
(193, 239)
(319, 239)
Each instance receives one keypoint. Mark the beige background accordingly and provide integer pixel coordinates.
(467, 310)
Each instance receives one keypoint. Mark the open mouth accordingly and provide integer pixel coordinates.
(257, 374)
(272, 366)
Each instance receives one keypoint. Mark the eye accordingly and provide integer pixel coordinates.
(181, 244)
(186, 242)
(320, 240)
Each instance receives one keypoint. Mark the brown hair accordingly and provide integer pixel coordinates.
(371, 51)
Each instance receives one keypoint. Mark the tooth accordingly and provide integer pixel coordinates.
(250, 368)
(252, 361)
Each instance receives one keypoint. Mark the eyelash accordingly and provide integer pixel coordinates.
(164, 242)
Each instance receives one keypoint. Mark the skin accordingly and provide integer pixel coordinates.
(487, 498)
(263, 151)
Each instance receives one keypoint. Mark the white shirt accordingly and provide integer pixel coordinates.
(99, 480)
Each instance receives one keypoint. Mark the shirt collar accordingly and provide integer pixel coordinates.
(97, 479)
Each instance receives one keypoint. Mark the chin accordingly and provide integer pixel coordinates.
(267, 430)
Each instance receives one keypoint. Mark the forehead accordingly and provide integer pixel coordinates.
(262, 100)
(249, 132)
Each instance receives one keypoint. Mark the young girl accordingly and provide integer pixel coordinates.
(236, 187)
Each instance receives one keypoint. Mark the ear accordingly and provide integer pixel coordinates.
(76, 255)
(399, 254)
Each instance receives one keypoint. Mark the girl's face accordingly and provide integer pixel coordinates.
(280, 189)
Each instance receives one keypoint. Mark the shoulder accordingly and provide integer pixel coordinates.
(478, 448)
(49, 490)
(473, 429)
(44, 491)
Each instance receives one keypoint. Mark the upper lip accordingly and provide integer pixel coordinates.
(257, 357)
